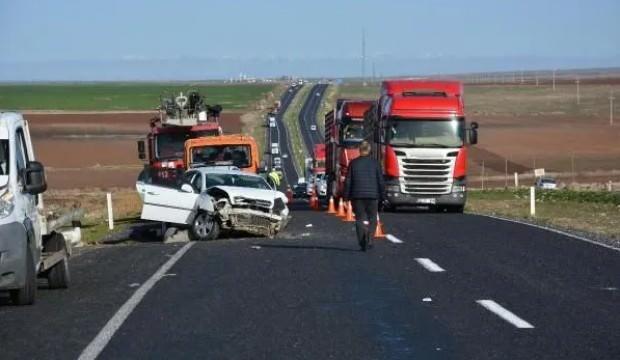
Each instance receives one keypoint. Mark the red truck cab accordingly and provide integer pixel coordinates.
(343, 133)
(419, 134)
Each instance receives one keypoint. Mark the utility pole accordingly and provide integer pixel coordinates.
(611, 108)
(373, 72)
(553, 79)
(364, 56)
(506, 173)
(483, 175)
(578, 93)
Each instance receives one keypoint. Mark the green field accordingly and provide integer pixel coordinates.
(122, 96)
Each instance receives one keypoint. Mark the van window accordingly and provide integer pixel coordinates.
(4, 157)
(21, 152)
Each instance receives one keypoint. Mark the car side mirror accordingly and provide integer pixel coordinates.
(34, 178)
(473, 133)
(141, 150)
(187, 188)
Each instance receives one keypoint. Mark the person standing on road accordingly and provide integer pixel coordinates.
(364, 187)
(274, 178)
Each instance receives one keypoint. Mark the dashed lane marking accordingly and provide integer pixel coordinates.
(429, 265)
(105, 335)
(505, 314)
(393, 239)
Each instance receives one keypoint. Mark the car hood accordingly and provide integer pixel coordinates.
(259, 194)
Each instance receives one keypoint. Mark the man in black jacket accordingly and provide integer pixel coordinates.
(365, 188)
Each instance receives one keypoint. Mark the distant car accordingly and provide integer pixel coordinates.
(546, 183)
(285, 156)
(299, 191)
(275, 148)
(272, 121)
(318, 94)
(313, 127)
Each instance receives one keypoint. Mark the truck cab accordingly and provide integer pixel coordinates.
(236, 150)
(26, 248)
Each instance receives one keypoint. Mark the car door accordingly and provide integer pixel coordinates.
(167, 204)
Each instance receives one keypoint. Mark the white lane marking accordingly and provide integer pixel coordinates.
(505, 314)
(577, 237)
(429, 265)
(105, 335)
(393, 239)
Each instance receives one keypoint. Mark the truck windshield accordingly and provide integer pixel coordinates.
(4, 157)
(425, 133)
(254, 182)
(353, 132)
(170, 145)
(239, 155)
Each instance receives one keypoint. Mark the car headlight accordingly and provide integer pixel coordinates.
(239, 200)
(6, 204)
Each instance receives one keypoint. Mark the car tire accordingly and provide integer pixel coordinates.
(204, 227)
(27, 294)
(58, 277)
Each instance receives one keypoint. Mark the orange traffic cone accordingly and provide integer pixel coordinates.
(379, 230)
(331, 209)
(311, 201)
(350, 217)
(341, 212)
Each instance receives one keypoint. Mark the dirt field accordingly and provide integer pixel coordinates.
(95, 150)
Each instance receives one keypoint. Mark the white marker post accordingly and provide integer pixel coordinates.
(516, 180)
(110, 212)
(532, 201)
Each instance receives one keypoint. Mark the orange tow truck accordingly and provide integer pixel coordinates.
(236, 150)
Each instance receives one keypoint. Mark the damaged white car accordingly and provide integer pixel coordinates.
(214, 198)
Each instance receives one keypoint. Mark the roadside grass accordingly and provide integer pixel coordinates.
(329, 100)
(592, 213)
(356, 90)
(123, 96)
(125, 202)
(291, 121)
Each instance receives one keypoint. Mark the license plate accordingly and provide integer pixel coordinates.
(426, 201)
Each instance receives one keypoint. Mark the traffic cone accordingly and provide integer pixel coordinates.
(331, 209)
(379, 229)
(317, 202)
(350, 217)
(311, 201)
(341, 212)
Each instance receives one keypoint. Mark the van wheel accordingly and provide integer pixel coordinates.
(26, 295)
(204, 227)
(58, 276)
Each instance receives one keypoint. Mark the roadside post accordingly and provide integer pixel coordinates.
(516, 180)
(110, 212)
(532, 201)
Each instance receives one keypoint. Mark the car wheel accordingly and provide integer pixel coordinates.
(204, 227)
(26, 295)
(58, 276)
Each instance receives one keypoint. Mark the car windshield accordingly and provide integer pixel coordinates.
(4, 157)
(254, 182)
(238, 155)
(170, 145)
(431, 133)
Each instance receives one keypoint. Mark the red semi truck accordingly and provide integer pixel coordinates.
(419, 134)
(343, 133)
(180, 118)
(317, 180)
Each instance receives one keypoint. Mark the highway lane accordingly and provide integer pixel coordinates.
(280, 133)
(307, 118)
(456, 287)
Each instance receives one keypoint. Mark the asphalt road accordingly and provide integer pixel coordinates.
(310, 294)
(280, 135)
(307, 118)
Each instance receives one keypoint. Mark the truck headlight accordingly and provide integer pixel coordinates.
(392, 188)
(6, 204)
(459, 188)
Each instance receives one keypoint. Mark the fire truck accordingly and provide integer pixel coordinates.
(343, 133)
(180, 118)
(419, 135)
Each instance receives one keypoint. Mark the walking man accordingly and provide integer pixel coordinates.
(364, 187)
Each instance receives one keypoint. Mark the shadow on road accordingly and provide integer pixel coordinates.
(306, 247)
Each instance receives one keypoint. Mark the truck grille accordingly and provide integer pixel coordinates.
(426, 176)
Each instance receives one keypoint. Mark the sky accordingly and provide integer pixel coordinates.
(168, 40)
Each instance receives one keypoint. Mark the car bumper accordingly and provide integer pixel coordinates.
(13, 240)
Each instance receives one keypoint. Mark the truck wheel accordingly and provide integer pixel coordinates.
(26, 295)
(58, 277)
(204, 227)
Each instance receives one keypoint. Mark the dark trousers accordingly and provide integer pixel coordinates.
(365, 210)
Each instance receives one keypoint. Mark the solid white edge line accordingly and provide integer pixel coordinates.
(505, 314)
(429, 265)
(394, 239)
(577, 237)
(104, 336)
